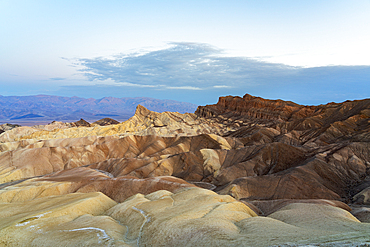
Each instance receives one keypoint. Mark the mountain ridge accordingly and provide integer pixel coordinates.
(46, 108)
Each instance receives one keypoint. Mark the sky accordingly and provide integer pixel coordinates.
(309, 52)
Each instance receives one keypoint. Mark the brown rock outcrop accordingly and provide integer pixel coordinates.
(54, 155)
(105, 122)
(86, 180)
(318, 124)
(81, 122)
(331, 141)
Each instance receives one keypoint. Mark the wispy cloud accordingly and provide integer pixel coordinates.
(221, 86)
(57, 78)
(127, 84)
(185, 88)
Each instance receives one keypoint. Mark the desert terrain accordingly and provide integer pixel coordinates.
(246, 171)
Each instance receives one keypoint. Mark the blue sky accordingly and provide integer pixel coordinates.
(310, 52)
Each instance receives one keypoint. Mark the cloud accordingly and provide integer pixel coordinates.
(57, 78)
(127, 84)
(185, 88)
(182, 66)
(200, 73)
(221, 86)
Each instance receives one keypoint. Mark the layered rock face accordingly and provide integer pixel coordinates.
(293, 151)
(243, 172)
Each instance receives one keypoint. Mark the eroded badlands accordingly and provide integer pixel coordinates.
(243, 172)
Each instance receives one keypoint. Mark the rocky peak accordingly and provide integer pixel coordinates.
(142, 111)
(82, 122)
(106, 121)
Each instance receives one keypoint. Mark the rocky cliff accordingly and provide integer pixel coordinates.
(243, 172)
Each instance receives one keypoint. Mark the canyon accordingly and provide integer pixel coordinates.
(246, 171)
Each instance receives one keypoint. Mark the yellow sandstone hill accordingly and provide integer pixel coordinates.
(188, 217)
(144, 122)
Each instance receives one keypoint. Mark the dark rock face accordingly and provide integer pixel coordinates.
(328, 123)
(106, 121)
(293, 151)
(251, 107)
(81, 122)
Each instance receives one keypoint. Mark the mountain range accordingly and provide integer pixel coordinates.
(28, 110)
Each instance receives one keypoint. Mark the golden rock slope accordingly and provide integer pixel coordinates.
(189, 217)
(144, 122)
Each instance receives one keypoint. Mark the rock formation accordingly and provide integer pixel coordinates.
(144, 122)
(294, 151)
(243, 172)
(106, 121)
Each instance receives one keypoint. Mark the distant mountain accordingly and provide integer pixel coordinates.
(44, 108)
